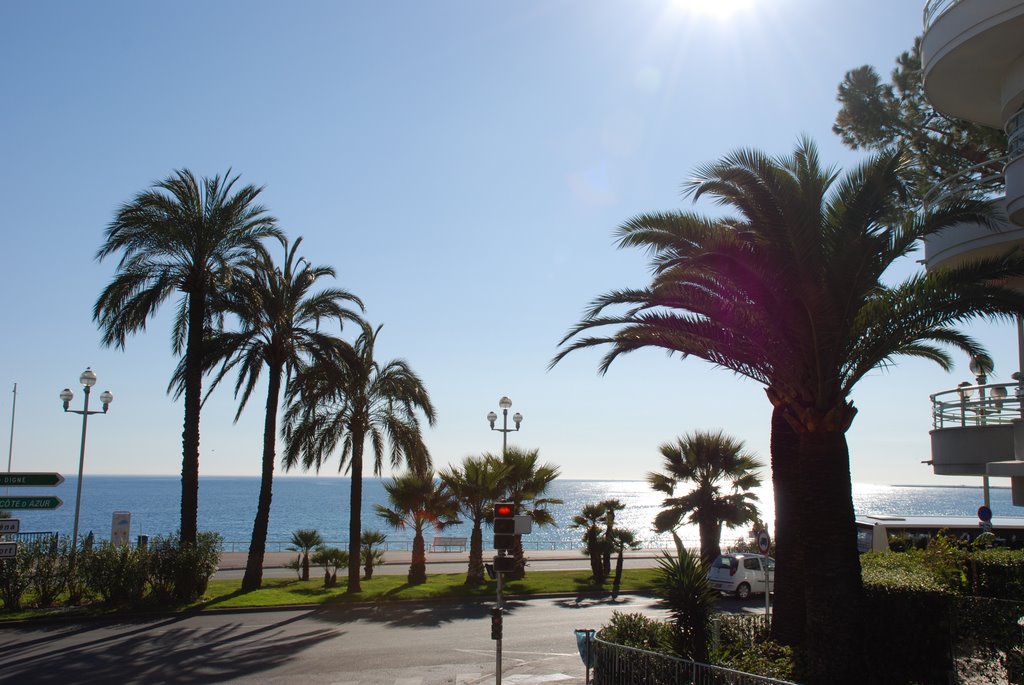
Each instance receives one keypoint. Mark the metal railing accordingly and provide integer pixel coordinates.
(400, 545)
(933, 9)
(618, 665)
(964, 183)
(977, 405)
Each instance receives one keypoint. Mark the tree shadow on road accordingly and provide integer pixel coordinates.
(165, 651)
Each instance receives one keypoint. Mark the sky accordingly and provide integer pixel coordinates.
(462, 165)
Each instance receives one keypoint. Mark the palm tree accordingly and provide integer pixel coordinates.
(279, 319)
(620, 540)
(790, 293)
(588, 519)
(418, 501)
(182, 237)
(524, 484)
(476, 486)
(343, 401)
(610, 507)
(304, 541)
(682, 584)
(712, 462)
(370, 556)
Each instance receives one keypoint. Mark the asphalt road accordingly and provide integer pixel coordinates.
(382, 644)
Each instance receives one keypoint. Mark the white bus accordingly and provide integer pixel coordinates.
(875, 530)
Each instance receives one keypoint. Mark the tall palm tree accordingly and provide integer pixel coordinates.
(790, 292)
(417, 502)
(525, 484)
(476, 486)
(343, 401)
(722, 474)
(181, 237)
(279, 317)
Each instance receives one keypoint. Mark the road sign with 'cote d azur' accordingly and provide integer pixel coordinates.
(30, 502)
(39, 479)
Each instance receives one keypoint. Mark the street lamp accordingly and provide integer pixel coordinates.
(505, 403)
(87, 379)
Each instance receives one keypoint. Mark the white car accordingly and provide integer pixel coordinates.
(741, 574)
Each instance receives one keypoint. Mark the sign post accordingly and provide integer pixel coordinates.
(764, 543)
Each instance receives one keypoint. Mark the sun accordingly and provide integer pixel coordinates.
(715, 9)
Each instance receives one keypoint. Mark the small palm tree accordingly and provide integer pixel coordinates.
(418, 501)
(525, 484)
(279, 319)
(476, 485)
(345, 400)
(304, 541)
(588, 520)
(331, 558)
(610, 507)
(370, 556)
(182, 237)
(621, 540)
(711, 462)
(682, 584)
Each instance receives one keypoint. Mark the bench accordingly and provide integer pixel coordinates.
(448, 544)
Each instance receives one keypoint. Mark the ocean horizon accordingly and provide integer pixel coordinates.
(227, 505)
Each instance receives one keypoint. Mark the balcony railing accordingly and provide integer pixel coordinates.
(933, 9)
(977, 405)
(1015, 141)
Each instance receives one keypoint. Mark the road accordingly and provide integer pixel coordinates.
(388, 644)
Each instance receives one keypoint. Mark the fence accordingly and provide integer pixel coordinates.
(619, 665)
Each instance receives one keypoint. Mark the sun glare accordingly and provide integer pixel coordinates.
(715, 9)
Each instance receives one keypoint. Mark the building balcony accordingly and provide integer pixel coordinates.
(975, 425)
(972, 57)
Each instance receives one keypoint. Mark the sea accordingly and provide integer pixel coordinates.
(227, 505)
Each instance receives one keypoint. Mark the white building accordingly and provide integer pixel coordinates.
(973, 61)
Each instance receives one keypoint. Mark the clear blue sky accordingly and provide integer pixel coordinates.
(461, 164)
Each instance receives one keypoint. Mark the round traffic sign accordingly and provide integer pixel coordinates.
(984, 513)
(764, 541)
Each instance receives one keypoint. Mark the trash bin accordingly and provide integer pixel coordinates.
(143, 542)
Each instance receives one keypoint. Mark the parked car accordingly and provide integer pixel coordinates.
(741, 574)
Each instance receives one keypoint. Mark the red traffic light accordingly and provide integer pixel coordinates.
(503, 509)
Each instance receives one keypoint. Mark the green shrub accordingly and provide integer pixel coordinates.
(997, 572)
(50, 565)
(766, 658)
(118, 573)
(15, 577)
(181, 574)
(638, 631)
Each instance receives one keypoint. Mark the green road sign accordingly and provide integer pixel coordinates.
(30, 502)
(38, 479)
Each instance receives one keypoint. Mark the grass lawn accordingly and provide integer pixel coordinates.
(225, 594)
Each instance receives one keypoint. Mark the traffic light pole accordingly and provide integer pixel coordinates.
(497, 648)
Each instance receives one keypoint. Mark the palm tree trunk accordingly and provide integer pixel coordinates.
(594, 550)
(190, 432)
(710, 540)
(253, 578)
(617, 583)
(833, 591)
(418, 567)
(355, 522)
(787, 475)
(475, 575)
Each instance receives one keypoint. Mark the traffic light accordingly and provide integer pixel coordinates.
(504, 525)
(495, 623)
(504, 564)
